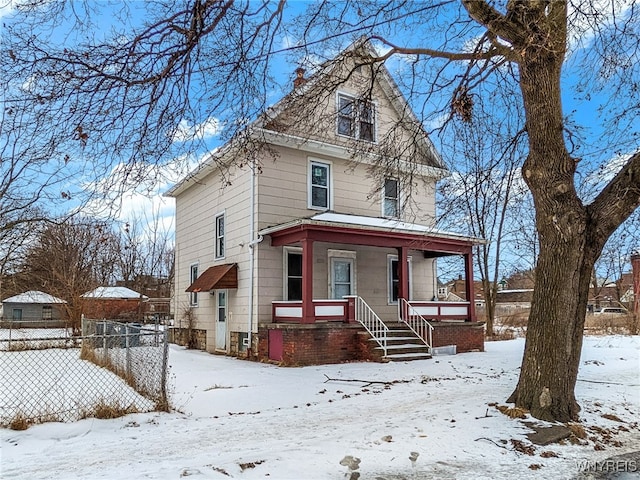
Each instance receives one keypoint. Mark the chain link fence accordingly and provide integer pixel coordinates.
(112, 369)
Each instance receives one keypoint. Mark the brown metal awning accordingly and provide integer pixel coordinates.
(216, 277)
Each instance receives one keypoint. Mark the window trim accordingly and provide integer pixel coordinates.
(385, 198)
(341, 254)
(220, 244)
(390, 259)
(285, 269)
(193, 296)
(356, 117)
(310, 185)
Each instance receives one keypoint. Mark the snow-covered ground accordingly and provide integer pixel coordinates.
(413, 420)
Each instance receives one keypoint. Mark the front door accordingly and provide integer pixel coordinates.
(221, 320)
(341, 277)
(394, 278)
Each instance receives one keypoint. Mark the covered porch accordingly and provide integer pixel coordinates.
(337, 312)
(352, 230)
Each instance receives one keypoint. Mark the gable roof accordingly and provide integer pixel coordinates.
(261, 130)
(34, 296)
(113, 292)
(361, 51)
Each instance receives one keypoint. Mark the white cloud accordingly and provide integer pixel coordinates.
(587, 18)
(7, 8)
(207, 129)
(594, 181)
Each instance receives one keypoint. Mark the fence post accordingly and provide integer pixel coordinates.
(127, 346)
(163, 380)
(104, 342)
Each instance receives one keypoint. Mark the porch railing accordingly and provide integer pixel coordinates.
(441, 311)
(323, 311)
(372, 322)
(416, 322)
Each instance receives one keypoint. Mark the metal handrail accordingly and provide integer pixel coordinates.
(416, 322)
(372, 322)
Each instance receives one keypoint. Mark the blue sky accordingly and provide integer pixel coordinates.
(598, 163)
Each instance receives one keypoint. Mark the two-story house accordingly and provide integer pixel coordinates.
(312, 240)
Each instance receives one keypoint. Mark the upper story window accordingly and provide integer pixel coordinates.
(356, 118)
(319, 185)
(47, 312)
(220, 235)
(193, 275)
(391, 197)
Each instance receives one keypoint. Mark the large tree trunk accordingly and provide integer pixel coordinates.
(571, 235)
(567, 252)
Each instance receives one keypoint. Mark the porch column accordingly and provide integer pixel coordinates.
(468, 281)
(308, 313)
(403, 273)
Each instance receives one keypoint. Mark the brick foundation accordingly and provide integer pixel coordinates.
(324, 343)
(313, 344)
(466, 336)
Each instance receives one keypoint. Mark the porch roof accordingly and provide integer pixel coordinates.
(218, 276)
(371, 231)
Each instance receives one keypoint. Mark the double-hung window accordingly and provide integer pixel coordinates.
(193, 275)
(220, 235)
(319, 185)
(356, 118)
(390, 201)
(293, 272)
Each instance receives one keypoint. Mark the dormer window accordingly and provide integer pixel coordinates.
(356, 118)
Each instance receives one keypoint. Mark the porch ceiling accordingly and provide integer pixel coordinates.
(369, 231)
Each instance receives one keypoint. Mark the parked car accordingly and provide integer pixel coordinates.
(612, 310)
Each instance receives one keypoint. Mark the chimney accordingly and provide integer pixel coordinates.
(635, 268)
(299, 80)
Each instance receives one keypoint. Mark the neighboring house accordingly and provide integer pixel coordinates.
(287, 261)
(33, 309)
(513, 301)
(114, 303)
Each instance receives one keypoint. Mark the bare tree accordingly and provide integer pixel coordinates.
(456, 47)
(68, 260)
(90, 89)
(146, 259)
(482, 193)
(117, 100)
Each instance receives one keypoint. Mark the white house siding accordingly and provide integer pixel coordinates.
(310, 112)
(282, 190)
(196, 209)
(281, 195)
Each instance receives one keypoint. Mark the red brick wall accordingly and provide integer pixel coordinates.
(323, 343)
(467, 337)
(317, 344)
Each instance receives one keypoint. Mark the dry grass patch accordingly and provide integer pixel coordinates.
(107, 411)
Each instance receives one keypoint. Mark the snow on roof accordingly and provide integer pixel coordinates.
(33, 296)
(372, 222)
(113, 292)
